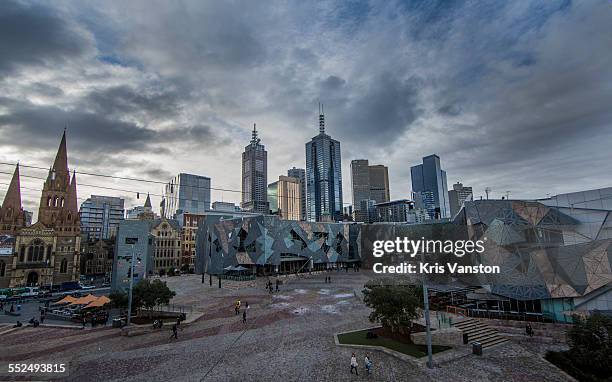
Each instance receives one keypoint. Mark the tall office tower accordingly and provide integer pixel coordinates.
(186, 193)
(368, 183)
(429, 180)
(100, 216)
(300, 173)
(323, 176)
(457, 196)
(255, 176)
(284, 198)
(379, 183)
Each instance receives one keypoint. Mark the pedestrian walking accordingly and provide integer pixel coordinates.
(354, 364)
(277, 282)
(178, 323)
(236, 308)
(174, 332)
(368, 364)
(244, 316)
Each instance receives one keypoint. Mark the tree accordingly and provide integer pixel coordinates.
(119, 300)
(393, 305)
(162, 272)
(147, 294)
(590, 342)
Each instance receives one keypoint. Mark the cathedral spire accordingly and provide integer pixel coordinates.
(71, 197)
(148, 202)
(12, 198)
(61, 158)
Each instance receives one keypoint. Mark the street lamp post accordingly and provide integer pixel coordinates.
(132, 261)
(427, 321)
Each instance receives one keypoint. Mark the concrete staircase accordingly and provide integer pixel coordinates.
(478, 331)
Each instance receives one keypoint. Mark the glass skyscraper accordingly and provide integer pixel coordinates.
(323, 177)
(429, 181)
(186, 193)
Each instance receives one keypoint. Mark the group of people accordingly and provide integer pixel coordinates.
(269, 286)
(237, 306)
(367, 363)
(327, 279)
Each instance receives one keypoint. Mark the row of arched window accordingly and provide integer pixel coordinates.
(35, 252)
(55, 201)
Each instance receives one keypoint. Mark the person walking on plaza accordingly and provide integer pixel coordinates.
(174, 332)
(237, 307)
(354, 364)
(277, 282)
(244, 316)
(368, 364)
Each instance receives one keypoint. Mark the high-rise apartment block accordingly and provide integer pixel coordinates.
(300, 173)
(255, 176)
(284, 198)
(368, 183)
(457, 196)
(429, 187)
(100, 216)
(323, 177)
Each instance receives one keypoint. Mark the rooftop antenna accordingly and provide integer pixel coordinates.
(487, 191)
(254, 139)
(321, 119)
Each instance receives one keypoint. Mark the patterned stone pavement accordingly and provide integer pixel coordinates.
(288, 337)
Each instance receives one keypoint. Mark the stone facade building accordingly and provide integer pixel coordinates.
(167, 254)
(48, 252)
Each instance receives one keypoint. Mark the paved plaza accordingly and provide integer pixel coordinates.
(289, 336)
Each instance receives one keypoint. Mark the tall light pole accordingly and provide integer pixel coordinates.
(427, 323)
(131, 241)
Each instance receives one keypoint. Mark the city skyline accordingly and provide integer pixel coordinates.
(524, 110)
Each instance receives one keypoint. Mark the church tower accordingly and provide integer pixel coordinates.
(58, 202)
(12, 216)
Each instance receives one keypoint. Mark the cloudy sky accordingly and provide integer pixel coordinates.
(516, 96)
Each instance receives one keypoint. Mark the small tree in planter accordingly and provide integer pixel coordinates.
(148, 295)
(393, 305)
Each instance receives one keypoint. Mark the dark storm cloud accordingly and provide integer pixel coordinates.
(504, 93)
(34, 34)
(382, 112)
(40, 126)
(123, 99)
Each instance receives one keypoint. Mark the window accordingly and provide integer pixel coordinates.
(64, 266)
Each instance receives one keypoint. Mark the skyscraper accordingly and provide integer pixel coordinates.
(186, 193)
(323, 176)
(255, 176)
(284, 198)
(368, 183)
(100, 216)
(429, 183)
(457, 196)
(300, 173)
